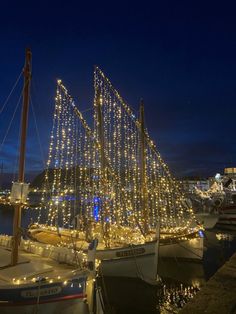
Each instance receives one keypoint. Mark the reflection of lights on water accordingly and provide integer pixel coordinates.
(196, 284)
(224, 237)
(174, 298)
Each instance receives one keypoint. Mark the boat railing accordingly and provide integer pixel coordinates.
(59, 254)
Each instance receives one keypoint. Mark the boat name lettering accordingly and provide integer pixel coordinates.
(42, 292)
(130, 252)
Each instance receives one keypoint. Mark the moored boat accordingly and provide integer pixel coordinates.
(227, 210)
(132, 260)
(138, 260)
(111, 183)
(38, 278)
(218, 204)
(227, 216)
(207, 219)
(46, 279)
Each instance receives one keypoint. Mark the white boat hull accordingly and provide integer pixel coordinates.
(189, 249)
(227, 217)
(139, 260)
(136, 261)
(227, 221)
(207, 220)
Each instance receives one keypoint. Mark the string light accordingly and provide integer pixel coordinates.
(97, 176)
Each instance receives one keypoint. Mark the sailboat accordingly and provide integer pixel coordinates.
(114, 181)
(218, 203)
(227, 208)
(35, 277)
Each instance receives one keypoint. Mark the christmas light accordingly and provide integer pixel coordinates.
(95, 181)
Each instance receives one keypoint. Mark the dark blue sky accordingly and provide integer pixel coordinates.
(179, 56)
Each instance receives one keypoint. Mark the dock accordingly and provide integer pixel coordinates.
(218, 295)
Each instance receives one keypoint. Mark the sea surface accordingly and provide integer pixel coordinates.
(180, 280)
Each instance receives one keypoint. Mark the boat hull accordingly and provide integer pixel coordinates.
(227, 217)
(65, 307)
(208, 220)
(227, 221)
(187, 249)
(139, 260)
(45, 283)
(45, 298)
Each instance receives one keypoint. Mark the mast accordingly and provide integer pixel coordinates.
(144, 196)
(105, 215)
(21, 170)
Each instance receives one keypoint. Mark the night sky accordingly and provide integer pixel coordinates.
(179, 56)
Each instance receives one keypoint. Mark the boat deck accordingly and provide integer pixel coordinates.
(30, 267)
(52, 237)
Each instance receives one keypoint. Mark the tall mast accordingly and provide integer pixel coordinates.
(105, 214)
(143, 167)
(21, 170)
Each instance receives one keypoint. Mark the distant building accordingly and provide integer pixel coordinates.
(189, 185)
(231, 172)
(228, 178)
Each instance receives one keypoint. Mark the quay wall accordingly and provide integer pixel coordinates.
(218, 295)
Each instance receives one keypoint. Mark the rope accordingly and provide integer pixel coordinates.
(37, 132)
(98, 289)
(14, 173)
(86, 110)
(77, 261)
(189, 250)
(36, 308)
(9, 126)
(8, 97)
(105, 293)
(138, 271)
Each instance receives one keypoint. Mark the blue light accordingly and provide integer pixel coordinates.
(201, 233)
(96, 208)
(57, 198)
(69, 198)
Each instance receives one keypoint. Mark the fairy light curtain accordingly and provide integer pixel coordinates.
(122, 149)
(75, 193)
(75, 184)
(70, 190)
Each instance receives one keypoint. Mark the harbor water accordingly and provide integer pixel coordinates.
(180, 280)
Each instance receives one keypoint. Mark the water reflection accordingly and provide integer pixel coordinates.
(174, 298)
(188, 273)
(180, 282)
(6, 218)
(224, 237)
